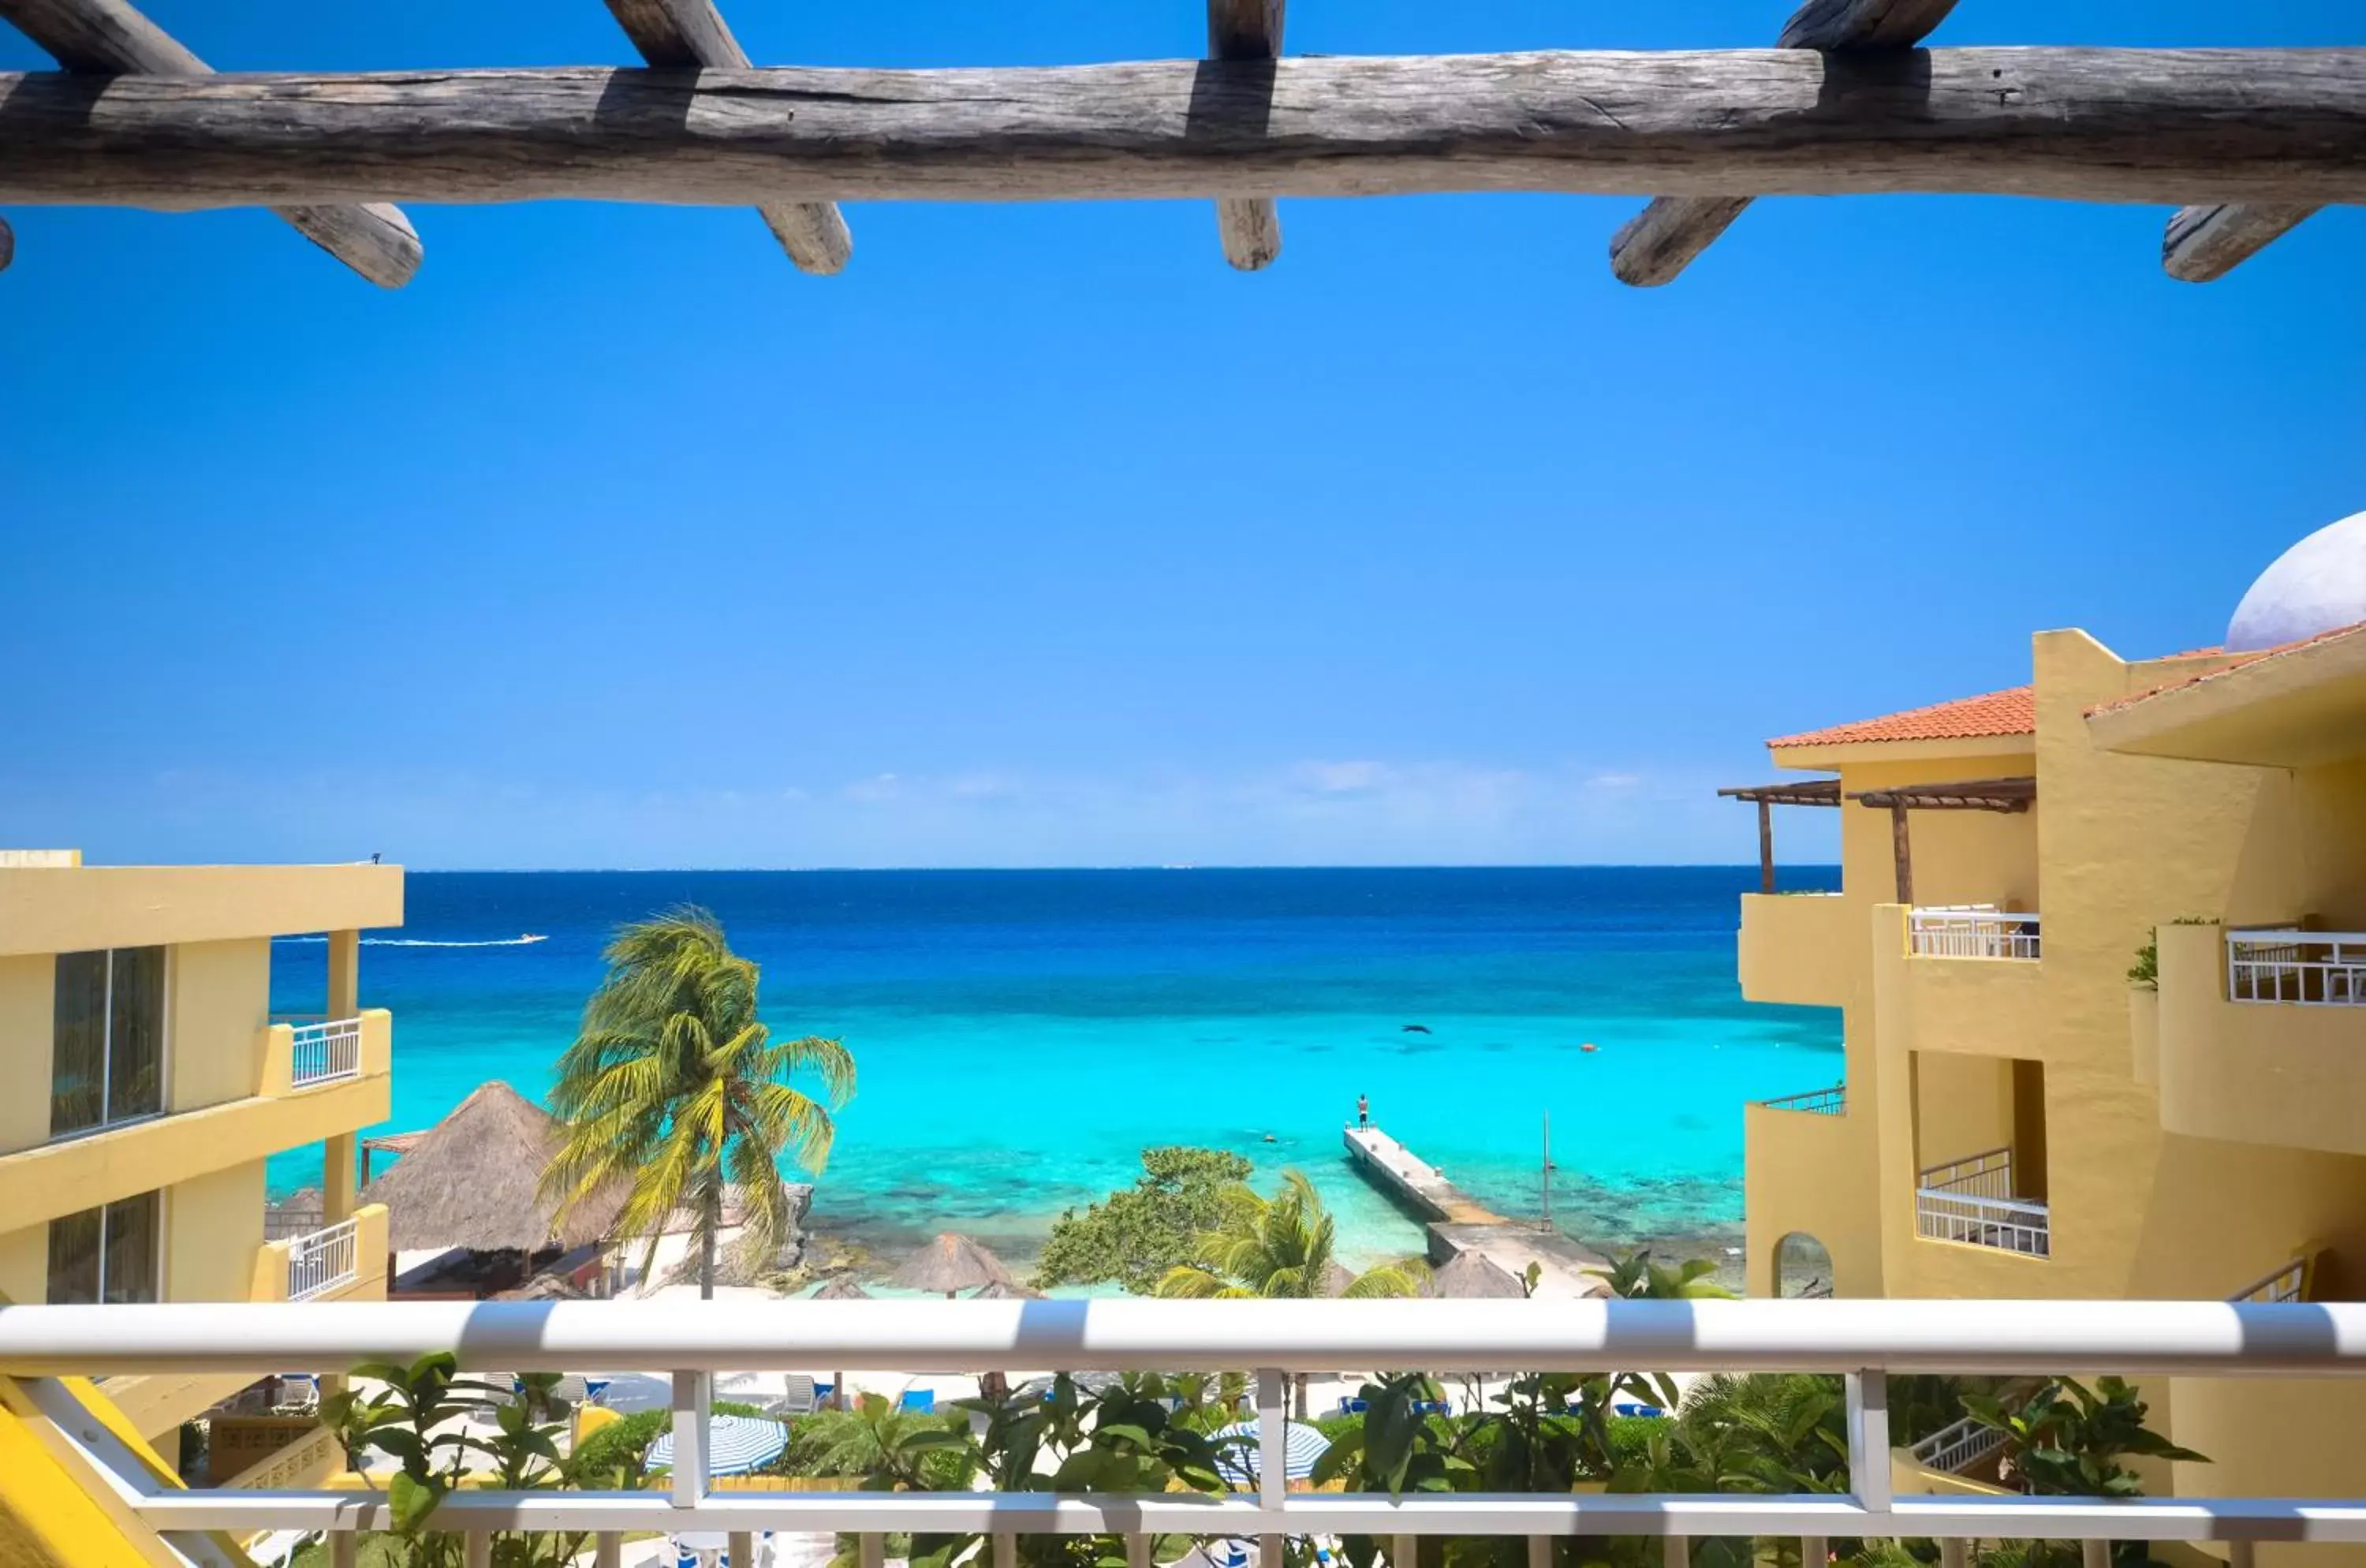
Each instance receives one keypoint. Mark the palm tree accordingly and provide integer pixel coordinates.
(1279, 1247)
(674, 1086)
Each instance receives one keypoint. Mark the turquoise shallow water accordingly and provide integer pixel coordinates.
(1022, 1035)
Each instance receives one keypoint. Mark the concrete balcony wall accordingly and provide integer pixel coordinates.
(51, 909)
(1799, 948)
(2274, 1073)
(1812, 1174)
(1971, 1007)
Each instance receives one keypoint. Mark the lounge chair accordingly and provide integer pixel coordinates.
(800, 1396)
(918, 1402)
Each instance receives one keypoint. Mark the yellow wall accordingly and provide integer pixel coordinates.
(28, 1017)
(2192, 1145)
(222, 999)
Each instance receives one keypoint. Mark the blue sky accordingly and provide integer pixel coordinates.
(1041, 537)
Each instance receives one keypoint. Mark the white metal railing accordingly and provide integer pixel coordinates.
(2285, 1284)
(326, 1052)
(1829, 1101)
(1957, 1448)
(322, 1261)
(2010, 1225)
(1971, 931)
(1862, 1340)
(1988, 1174)
(2313, 968)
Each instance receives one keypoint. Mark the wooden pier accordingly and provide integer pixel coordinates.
(1458, 1223)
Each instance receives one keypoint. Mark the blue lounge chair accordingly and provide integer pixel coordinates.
(918, 1402)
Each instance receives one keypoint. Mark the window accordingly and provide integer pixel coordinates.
(110, 1254)
(109, 1061)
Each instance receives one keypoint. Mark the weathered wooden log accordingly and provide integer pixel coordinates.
(2204, 243)
(1664, 239)
(683, 34)
(108, 37)
(2158, 126)
(1249, 227)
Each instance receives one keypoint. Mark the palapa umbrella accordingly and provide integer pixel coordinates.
(1002, 1291)
(1336, 1278)
(950, 1264)
(1472, 1277)
(473, 1181)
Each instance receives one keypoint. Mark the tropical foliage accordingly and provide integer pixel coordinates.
(1279, 1246)
(2069, 1440)
(674, 1086)
(1135, 1237)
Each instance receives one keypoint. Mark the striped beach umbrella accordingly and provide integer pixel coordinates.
(734, 1445)
(1302, 1447)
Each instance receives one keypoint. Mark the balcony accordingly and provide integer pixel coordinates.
(1802, 947)
(1958, 1449)
(162, 1151)
(2261, 1036)
(1970, 1201)
(1972, 930)
(2204, 1343)
(335, 1262)
(321, 1050)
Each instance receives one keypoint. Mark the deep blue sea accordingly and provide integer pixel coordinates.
(1021, 1036)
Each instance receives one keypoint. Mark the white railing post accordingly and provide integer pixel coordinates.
(344, 1548)
(1815, 1550)
(1006, 1549)
(1539, 1551)
(1273, 1437)
(1404, 1551)
(693, 1401)
(609, 1550)
(872, 1551)
(741, 1546)
(324, 1052)
(1951, 1553)
(1675, 1551)
(1867, 1397)
(320, 1260)
(2095, 1554)
(477, 1549)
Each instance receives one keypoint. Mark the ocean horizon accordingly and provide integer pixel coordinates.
(1022, 1035)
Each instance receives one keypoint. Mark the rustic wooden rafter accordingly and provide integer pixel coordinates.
(2203, 244)
(2168, 126)
(690, 34)
(1246, 30)
(1976, 794)
(1805, 792)
(108, 38)
(1669, 234)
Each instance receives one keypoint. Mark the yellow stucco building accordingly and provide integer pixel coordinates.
(2018, 1117)
(144, 1081)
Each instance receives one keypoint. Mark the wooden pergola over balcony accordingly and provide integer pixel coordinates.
(2245, 143)
(1808, 792)
(1978, 795)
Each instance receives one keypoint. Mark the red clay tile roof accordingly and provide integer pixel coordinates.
(2237, 661)
(2010, 712)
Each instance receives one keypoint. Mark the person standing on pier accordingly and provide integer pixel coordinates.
(1363, 1110)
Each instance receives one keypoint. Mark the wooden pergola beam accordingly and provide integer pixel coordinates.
(2166, 126)
(690, 34)
(1669, 234)
(2204, 243)
(107, 38)
(1246, 30)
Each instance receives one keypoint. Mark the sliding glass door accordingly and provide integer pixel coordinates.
(108, 1062)
(109, 1254)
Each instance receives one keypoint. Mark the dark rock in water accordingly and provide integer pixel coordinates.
(1416, 1027)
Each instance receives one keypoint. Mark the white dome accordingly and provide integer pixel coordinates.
(2317, 586)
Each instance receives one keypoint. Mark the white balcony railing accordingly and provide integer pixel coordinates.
(2287, 1284)
(2312, 968)
(1829, 1101)
(326, 1051)
(1971, 931)
(1863, 1341)
(1971, 1200)
(1957, 1448)
(321, 1262)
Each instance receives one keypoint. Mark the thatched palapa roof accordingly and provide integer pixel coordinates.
(840, 1290)
(950, 1263)
(472, 1181)
(999, 1292)
(1473, 1276)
